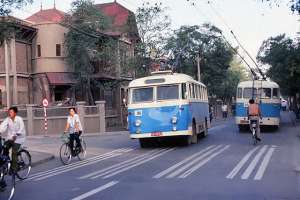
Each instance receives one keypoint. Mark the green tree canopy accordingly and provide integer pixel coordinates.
(206, 41)
(282, 54)
(86, 43)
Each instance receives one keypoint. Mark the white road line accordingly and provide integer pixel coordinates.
(203, 162)
(188, 165)
(117, 165)
(254, 162)
(239, 166)
(137, 164)
(128, 164)
(75, 167)
(123, 150)
(170, 169)
(264, 164)
(96, 190)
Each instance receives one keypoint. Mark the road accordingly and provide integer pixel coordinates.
(224, 165)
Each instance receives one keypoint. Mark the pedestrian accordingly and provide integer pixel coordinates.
(224, 111)
(283, 105)
(74, 128)
(211, 111)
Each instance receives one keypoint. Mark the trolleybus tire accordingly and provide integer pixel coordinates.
(194, 137)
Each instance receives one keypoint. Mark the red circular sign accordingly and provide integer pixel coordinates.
(45, 102)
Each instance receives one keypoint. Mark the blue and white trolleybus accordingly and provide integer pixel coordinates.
(167, 104)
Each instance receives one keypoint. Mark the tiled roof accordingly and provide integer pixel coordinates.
(117, 12)
(49, 15)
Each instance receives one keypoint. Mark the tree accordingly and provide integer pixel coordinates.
(282, 55)
(8, 24)
(86, 44)
(154, 26)
(294, 4)
(206, 41)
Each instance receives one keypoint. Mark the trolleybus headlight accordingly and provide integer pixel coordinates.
(138, 123)
(174, 120)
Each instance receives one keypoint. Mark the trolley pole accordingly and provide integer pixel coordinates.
(198, 67)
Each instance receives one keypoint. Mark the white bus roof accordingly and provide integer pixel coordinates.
(167, 78)
(258, 84)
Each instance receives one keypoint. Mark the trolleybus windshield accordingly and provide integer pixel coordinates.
(142, 95)
(167, 92)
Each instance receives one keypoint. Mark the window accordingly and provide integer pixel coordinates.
(239, 93)
(183, 91)
(39, 51)
(265, 93)
(142, 95)
(275, 93)
(58, 50)
(190, 90)
(250, 93)
(167, 92)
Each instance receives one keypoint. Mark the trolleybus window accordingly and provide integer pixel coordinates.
(275, 93)
(142, 95)
(249, 93)
(265, 93)
(183, 91)
(239, 93)
(167, 92)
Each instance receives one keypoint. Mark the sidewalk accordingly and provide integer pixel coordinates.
(38, 158)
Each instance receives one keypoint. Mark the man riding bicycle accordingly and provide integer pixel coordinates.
(14, 126)
(254, 114)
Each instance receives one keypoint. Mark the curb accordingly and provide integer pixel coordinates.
(44, 160)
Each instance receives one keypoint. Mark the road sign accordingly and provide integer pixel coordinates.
(45, 102)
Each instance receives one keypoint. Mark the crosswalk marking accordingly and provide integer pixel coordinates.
(192, 163)
(118, 165)
(67, 168)
(159, 175)
(264, 164)
(96, 190)
(263, 155)
(239, 166)
(254, 162)
(134, 164)
(203, 162)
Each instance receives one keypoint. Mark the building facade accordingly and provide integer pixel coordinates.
(34, 61)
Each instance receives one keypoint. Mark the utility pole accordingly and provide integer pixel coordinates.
(198, 67)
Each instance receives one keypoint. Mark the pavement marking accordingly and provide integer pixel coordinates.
(121, 169)
(96, 190)
(264, 164)
(239, 166)
(254, 162)
(203, 162)
(190, 164)
(170, 169)
(66, 168)
(119, 164)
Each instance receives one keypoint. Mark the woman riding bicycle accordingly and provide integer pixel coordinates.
(74, 128)
(254, 114)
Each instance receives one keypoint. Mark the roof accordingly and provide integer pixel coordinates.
(169, 79)
(61, 78)
(48, 15)
(258, 84)
(116, 11)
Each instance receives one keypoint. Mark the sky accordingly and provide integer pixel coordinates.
(252, 21)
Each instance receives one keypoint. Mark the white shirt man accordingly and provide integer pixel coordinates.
(14, 128)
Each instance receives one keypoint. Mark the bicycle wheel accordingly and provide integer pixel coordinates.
(65, 154)
(9, 191)
(24, 164)
(81, 155)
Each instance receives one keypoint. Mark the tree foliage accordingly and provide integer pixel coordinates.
(206, 41)
(8, 24)
(282, 54)
(86, 44)
(293, 4)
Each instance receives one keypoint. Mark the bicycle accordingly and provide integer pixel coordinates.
(253, 124)
(23, 169)
(66, 152)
